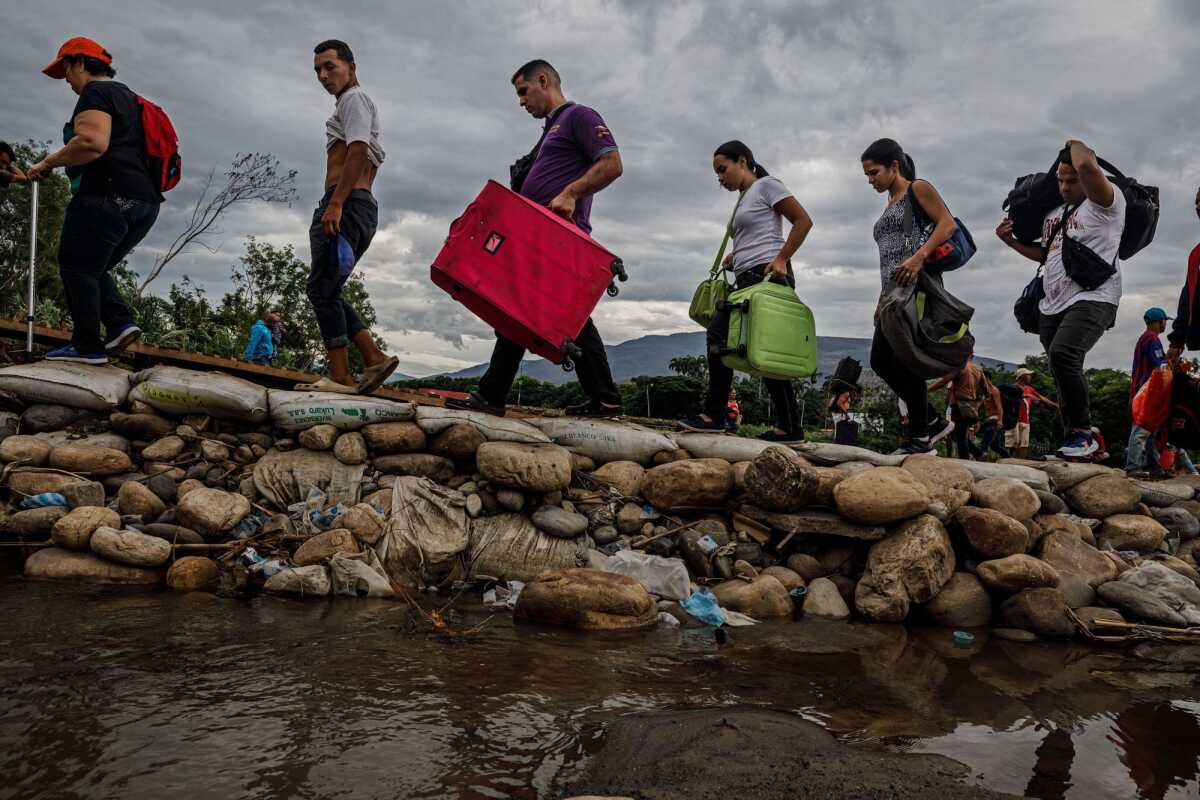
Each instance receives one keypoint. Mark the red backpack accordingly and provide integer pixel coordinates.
(162, 146)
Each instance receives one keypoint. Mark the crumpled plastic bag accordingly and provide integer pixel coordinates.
(665, 577)
(359, 575)
(703, 606)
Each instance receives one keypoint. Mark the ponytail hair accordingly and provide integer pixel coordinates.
(735, 150)
(885, 151)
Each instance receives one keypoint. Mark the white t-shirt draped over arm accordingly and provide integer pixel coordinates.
(355, 119)
(1100, 229)
(757, 226)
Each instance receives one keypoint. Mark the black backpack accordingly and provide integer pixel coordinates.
(1011, 398)
(1141, 211)
(847, 371)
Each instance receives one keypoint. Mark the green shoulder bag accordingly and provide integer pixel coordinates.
(715, 288)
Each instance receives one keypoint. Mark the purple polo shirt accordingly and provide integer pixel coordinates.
(577, 136)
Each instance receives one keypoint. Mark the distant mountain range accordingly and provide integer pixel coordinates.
(651, 355)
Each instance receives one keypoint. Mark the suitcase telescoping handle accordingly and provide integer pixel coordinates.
(618, 271)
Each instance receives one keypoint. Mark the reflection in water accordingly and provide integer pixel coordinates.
(115, 694)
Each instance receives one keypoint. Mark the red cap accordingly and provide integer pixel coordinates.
(78, 46)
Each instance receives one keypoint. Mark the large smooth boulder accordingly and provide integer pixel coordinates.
(394, 437)
(1132, 532)
(790, 580)
(1179, 522)
(36, 481)
(961, 603)
(1069, 554)
(54, 563)
(778, 479)
(624, 476)
(459, 442)
(323, 546)
(531, 467)
(350, 448)
(34, 522)
(74, 531)
(1017, 572)
(1051, 503)
(1050, 523)
(211, 512)
(174, 534)
(84, 493)
(166, 449)
(1167, 586)
(700, 482)
(909, 566)
(364, 522)
(193, 574)
(135, 499)
(418, 465)
(1104, 495)
(28, 450)
(318, 437)
(880, 496)
(1161, 494)
(1008, 496)
(948, 482)
(824, 601)
(586, 599)
(1075, 590)
(560, 523)
(310, 581)
(140, 426)
(762, 598)
(130, 547)
(90, 460)
(827, 479)
(1042, 611)
(992, 533)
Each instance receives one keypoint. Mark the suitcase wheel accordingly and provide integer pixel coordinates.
(568, 365)
(612, 290)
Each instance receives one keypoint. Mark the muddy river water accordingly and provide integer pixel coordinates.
(110, 693)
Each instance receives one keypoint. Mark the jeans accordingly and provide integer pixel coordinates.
(591, 368)
(962, 433)
(908, 387)
(1140, 453)
(720, 377)
(990, 438)
(1067, 337)
(337, 320)
(98, 232)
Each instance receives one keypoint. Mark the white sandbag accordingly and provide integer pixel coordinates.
(426, 532)
(310, 581)
(834, 454)
(982, 470)
(173, 390)
(434, 419)
(66, 384)
(286, 478)
(113, 440)
(665, 577)
(297, 411)
(718, 445)
(508, 547)
(604, 440)
(359, 575)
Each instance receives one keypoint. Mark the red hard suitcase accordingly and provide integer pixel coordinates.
(530, 274)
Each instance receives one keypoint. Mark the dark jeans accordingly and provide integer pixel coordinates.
(720, 377)
(1067, 337)
(962, 434)
(97, 234)
(335, 317)
(991, 438)
(591, 368)
(907, 386)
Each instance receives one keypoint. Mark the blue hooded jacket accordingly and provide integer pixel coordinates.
(260, 345)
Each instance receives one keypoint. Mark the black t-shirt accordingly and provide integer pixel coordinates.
(122, 170)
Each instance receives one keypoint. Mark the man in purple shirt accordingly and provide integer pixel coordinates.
(1140, 453)
(575, 158)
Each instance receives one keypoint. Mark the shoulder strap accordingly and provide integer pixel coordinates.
(716, 267)
(1061, 225)
(910, 214)
(549, 124)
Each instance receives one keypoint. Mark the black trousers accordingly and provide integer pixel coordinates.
(98, 232)
(908, 387)
(962, 438)
(1067, 337)
(337, 320)
(720, 377)
(591, 368)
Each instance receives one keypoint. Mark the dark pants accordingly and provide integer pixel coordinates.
(263, 360)
(908, 386)
(97, 234)
(962, 434)
(1067, 337)
(991, 438)
(720, 377)
(591, 369)
(335, 317)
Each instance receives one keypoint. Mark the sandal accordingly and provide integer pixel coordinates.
(326, 385)
(373, 377)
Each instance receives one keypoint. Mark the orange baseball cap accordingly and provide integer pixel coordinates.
(78, 46)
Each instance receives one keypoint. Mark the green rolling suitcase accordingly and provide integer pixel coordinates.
(771, 333)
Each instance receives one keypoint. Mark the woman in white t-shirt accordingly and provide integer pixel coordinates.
(759, 249)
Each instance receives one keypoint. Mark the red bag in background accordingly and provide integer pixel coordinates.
(1152, 403)
(530, 274)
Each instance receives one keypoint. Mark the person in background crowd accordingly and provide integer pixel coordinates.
(890, 170)
(1185, 331)
(760, 252)
(845, 429)
(344, 223)
(10, 173)
(1073, 318)
(733, 413)
(1140, 454)
(261, 347)
(116, 204)
(992, 425)
(966, 393)
(1017, 438)
(576, 159)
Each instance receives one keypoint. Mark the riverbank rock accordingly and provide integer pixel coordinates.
(1068, 554)
(787, 577)
(1132, 532)
(193, 574)
(172, 534)
(961, 603)
(84, 493)
(778, 479)
(130, 547)
(394, 437)
(992, 533)
(909, 566)
(586, 599)
(762, 598)
(74, 530)
(350, 448)
(821, 523)
(559, 522)
(90, 460)
(538, 468)
(1179, 522)
(459, 442)
(1075, 590)
(168, 448)
(134, 499)
(140, 426)
(323, 546)
(1168, 586)
(827, 479)
(1141, 604)
(1090, 614)
(1042, 611)
(27, 450)
(700, 482)
(1161, 494)
(1008, 496)
(806, 566)
(1017, 572)
(1103, 496)
(417, 465)
(624, 476)
(824, 601)
(35, 481)
(311, 581)
(54, 563)
(318, 437)
(948, 483)
(880, 496)
(364, 522)
(34, 523)
(211, 512)
(1051, 503)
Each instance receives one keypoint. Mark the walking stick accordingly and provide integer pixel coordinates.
(33, 221)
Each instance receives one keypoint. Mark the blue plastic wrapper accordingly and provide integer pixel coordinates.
(43, 500)
(703, 606)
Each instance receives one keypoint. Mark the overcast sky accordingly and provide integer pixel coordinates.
(978, 92)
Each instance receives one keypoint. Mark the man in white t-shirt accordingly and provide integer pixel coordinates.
(1074, 318)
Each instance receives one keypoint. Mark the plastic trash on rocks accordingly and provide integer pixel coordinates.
(665, 577)
(501, 596)
(359, 575)
(43, 500)
(703, 606)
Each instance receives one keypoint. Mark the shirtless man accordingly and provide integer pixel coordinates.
(345, 222)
